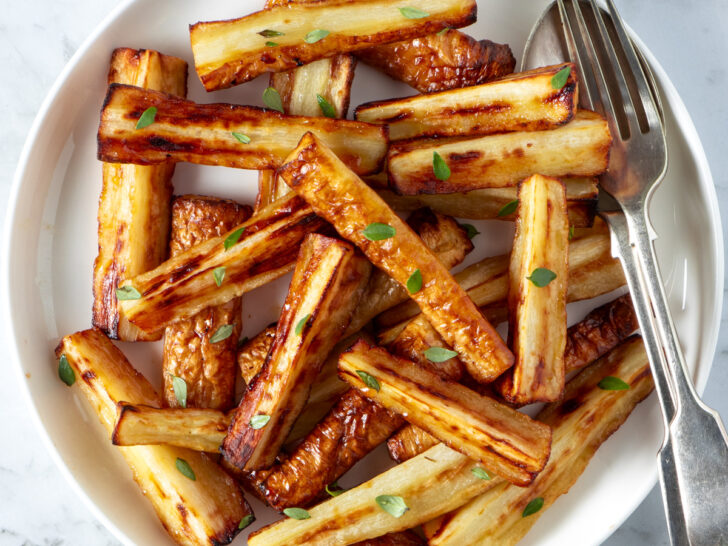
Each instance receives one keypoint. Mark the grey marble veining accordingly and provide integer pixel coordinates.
(37, 37)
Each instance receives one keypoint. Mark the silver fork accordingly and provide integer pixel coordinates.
(693, 459)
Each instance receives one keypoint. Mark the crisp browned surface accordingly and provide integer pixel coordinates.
(526, 101)
(504, 440)
(207, 368)
(202, 133)
(338, 195)
(438, 62)
(134, 206)
(408, 442)
(184, 285)
(404, 538)
(327, 283)
(222, 61)
(251, 355)
(352, 428)
(206, 510)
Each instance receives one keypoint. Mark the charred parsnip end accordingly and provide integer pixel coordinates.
(134, 207)
(191, 351)
(538, 276)
(206, 133)
(327, 283)
(506, 441)
(441, 61)
(408, 442)
(360, 215)
(579, 148)
(206, 510)
(526, 101)
(231, 52)
(496, 517)
(193, 428)
(254, 253)
(491, 203)
(252, 354)
(432, 484)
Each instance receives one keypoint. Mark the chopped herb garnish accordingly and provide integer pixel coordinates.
(316, 35)
(439, 167)
(439, 354)
(65, 372)
(325, 106)
(185, 469)
(414, 283)
(334, 489)
(611, 383)
(271, 44)
(541, 276)
(127, 292)
(413, 13)
(300, 324)
(508, 209)
(219, 275)
(532, 507)
(571, 232)
(240, 137)
(147, 118)
(247, 520)
(560, 78)
(470, 230)
(272, 99)
(297, 513)
(369, 380)
(179, 386)
(480, 473)
(443, 31)
(268, 33)
(392, 504)
(222, 333)
(259, 421)
(378, 232)
(233, 238)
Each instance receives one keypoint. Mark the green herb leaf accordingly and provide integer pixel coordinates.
(414, 283)
(268, 33)
(413, 13)
(271, 44)
(297, 513)
(219, 275)
(325, 106)
(334, 489)
(378, 232)
(185, 469)
(147, 117)
(316, 35)
(392, 505)
(611, 383)
(259, 421)
(541, 276)
(179, 386)
(247, 520)
(127, 292)
(443, 31)
(439, 354)
(532, 507)
(272, 99)
(508, 209)
(222, 333)
(480, 473)
(470, 230)
(559, 79)
(240, 137)
(233, 238)
(300, 324)
(65, 372)
(439, 167)
(369, 380)
(571, 232)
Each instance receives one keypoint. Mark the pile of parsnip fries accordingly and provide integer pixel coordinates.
(377, 340)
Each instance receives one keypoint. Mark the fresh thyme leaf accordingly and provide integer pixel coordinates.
(127, 292)
(541, 276)
(443, 31)
(271, 44)
(222, 333)
(219, 275)
(247, 520)
(413, 13)
(611, 383)
(392, 504)
(268, 33)
(378, 232)
(233, 238)
(571, 232)
(560, 78)
(470, 230)
(369, 381)
(325, 106)
(65, 372)
(297, 513)
(334, 489)
(147, 118)
(316, 35)
(185, 469)
(301, 324)
(259, 421)
(179, 386)
(439, 354)
(272, 99)
(414, 283)
(439, 167)
(532, 507)
(508, 209)
(240, 137)
(480, 473)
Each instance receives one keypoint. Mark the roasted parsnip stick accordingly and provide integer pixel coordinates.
(337, 194)
(266, 248)
(579, 148)
(134, 204)
(231, 52)
(526, 101)
(203, 510)
(328, 281)
(404, 538)
(206, 133)
(191, 353)
(252, 354)
(441, 61)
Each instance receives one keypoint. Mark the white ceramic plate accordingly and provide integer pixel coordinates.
(50, 244)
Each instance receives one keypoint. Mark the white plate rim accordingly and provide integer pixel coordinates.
(671, 96)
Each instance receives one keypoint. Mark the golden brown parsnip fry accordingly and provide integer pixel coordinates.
(488, 203)
(337, 194)
(327, 283)
(252, 354)
(203, 133)
(537, 303)
(206, 510)
(193, 428)
(441, 61)
(207, 368)
(579, 148)
(506, 441)
(408, 442)
(184, 285)
(231, 52)
(495, 518)
(526, 101)
(134, 204)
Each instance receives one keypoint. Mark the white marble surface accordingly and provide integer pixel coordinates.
(37, 37)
